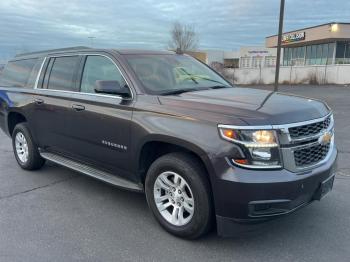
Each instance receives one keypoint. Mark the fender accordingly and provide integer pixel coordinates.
(8, 113)
(6, 105)
(13, 100)
(200, 152)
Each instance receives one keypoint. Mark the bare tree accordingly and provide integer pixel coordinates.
(183, 37)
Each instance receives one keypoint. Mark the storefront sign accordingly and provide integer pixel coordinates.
(293, 37)
(258, 52)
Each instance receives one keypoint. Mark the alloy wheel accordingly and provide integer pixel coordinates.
(21, 147)
(174, 198)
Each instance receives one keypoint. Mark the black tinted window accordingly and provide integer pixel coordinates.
(99, 68)
(63, 72)
(17, 73)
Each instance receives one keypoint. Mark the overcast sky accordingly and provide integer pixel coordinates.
(27, 25)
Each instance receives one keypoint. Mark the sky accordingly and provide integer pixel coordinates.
(31, 25)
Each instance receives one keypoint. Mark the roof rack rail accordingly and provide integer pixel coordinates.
(54, 50)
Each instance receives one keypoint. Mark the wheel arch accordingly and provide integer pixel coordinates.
(13, 119)
(155, 146)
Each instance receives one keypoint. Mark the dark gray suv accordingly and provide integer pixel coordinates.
(203, 151)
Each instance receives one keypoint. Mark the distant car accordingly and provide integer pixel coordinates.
(167, 125)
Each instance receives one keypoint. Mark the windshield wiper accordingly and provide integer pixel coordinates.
(212, 80)
(178, 91)
(219, 87)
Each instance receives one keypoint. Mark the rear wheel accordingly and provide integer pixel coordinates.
(26, 152)
(179, 195)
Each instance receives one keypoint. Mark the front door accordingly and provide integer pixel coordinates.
(99, 128)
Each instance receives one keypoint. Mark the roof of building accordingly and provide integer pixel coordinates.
(310, 27)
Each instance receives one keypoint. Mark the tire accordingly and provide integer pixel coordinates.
(191, 221)
(26, 151)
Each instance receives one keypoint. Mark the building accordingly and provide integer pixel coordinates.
(257, 57)
(245, 57)
(324, 44)
(201, 56)
(229, 59)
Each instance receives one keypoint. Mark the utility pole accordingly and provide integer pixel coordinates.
(92, 40)
(279, 42)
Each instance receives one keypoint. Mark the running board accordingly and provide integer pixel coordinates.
(92, 172)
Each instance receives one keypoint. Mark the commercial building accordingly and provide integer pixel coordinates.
(201, 56)
(231, 59)
(257, 57)
(228, 59)
(245, 57)
(324, 44)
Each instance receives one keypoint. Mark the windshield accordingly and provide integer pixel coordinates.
(174, 74)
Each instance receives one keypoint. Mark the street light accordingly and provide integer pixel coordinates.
(279, 42)
(92, 40)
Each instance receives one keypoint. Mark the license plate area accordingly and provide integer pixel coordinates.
(325, 187)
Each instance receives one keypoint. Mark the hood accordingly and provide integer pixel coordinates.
(252, 106)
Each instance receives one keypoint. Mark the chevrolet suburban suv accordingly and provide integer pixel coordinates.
(204, 152)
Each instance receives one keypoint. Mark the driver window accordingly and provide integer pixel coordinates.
(99, 68)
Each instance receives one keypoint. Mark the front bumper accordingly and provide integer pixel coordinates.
(243, 195)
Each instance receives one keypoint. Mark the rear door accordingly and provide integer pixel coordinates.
(99, 124)
(52, 102)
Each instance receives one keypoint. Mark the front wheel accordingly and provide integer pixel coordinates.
(179, 195)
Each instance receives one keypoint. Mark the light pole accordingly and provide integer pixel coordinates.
(92, 40)
(279, 42)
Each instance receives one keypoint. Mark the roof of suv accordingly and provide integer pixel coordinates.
(84, 48)
(142, 52)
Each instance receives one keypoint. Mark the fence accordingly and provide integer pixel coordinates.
(318, 74)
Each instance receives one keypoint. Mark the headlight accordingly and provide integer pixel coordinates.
(260, 146)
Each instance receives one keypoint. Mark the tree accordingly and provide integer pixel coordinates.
(183, 37)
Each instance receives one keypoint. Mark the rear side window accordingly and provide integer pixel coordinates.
(21, 73)
(62, 75)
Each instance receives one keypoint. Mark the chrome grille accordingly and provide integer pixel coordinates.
(311, 155)
(309, 129)
(302, 146)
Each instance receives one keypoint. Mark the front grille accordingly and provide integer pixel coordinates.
(310, 155)
(309, 129)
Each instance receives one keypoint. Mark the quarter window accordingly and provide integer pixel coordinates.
(99, 68)
(20, 73)
(62, 76)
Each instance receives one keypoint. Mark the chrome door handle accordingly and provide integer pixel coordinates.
(39, 101)
(78, 107)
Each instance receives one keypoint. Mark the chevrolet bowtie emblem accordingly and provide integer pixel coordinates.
(325, 138)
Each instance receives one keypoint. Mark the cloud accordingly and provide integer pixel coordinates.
(27, 25)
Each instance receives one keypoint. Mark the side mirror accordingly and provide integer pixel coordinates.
(112, 87)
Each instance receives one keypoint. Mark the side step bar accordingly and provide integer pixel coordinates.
(92, 172)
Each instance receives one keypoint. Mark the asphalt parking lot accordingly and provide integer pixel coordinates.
(59, 215)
